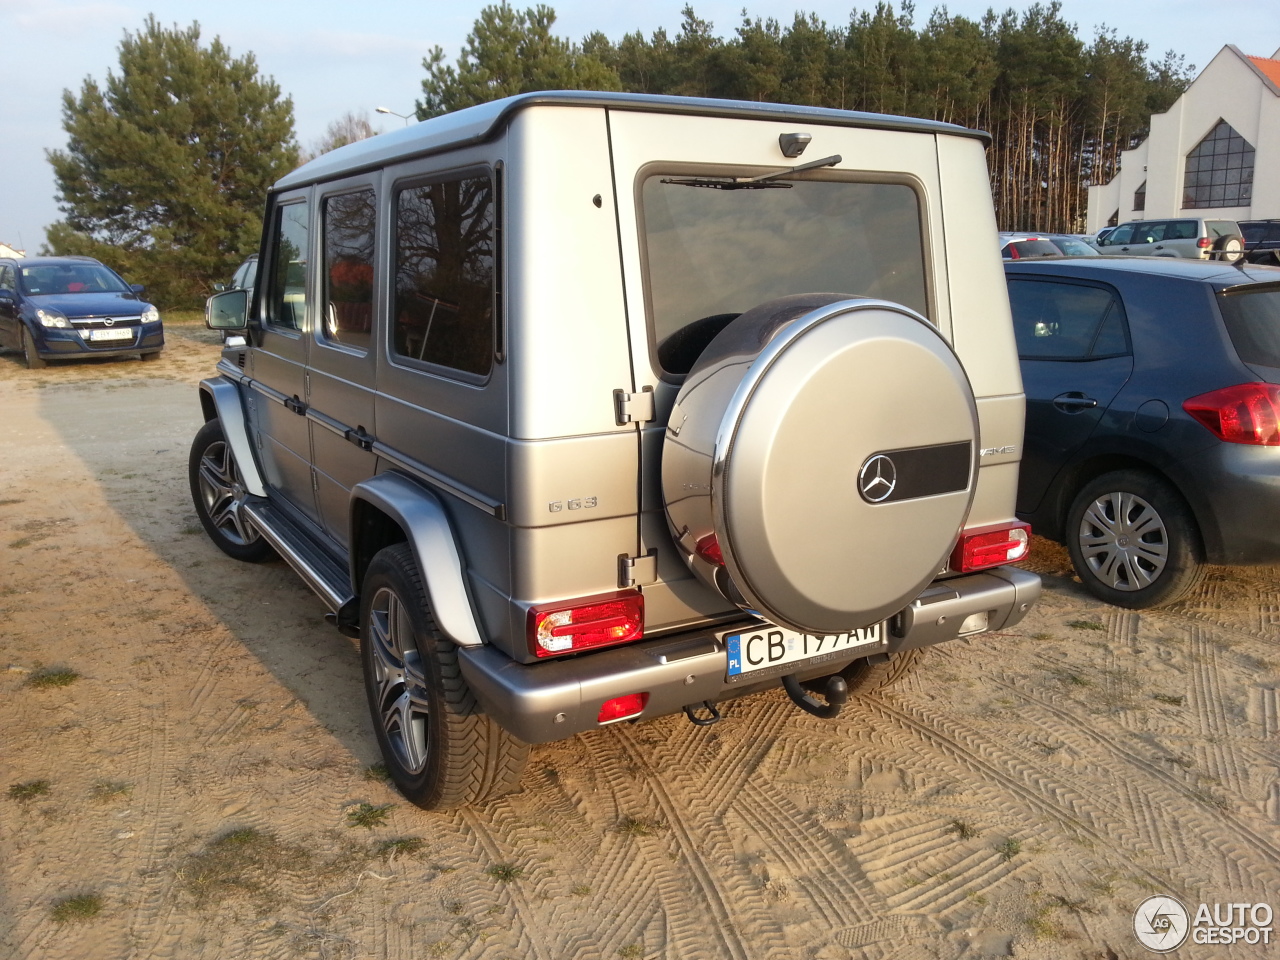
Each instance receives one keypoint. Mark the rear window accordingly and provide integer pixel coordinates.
(1222, 228)
(714, 253)
(1253, 323)
(1074, 248)
(1025, 249)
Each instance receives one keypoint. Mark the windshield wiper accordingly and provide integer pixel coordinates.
(764, 182)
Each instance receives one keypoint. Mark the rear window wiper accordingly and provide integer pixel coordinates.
(764, 182)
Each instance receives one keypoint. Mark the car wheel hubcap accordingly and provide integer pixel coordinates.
(1124, 541)
(223, 494)
(403, 704)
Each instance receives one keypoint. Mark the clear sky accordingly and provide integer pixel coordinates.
(332, 57)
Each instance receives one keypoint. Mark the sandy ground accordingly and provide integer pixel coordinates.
(194, 781)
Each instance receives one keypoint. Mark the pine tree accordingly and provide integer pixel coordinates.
(167, 166)
(509, 51)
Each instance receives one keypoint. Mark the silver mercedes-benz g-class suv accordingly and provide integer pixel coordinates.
(579, 408)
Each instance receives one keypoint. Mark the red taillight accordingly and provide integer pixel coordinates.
(573, 625)
(623, 708)
(987, 547)
(1204, 243)
(708, 548)
(1245, 413)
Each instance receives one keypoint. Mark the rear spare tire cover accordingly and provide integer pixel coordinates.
(825, 448)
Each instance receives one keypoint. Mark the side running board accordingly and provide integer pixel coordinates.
(317, 568)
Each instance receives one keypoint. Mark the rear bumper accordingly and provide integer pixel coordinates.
(542, 702)
(1235, 488)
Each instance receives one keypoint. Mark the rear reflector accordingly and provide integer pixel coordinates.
(988, 547)
(708, 548)
(573, 625)
(623, 708)
(1245, 413)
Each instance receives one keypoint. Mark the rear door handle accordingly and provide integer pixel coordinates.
(1074, 402)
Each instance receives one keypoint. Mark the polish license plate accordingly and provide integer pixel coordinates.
(112, 333)
(772, 651)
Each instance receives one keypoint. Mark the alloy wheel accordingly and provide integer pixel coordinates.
(403, 704)
(1124, 541)
(223, 492)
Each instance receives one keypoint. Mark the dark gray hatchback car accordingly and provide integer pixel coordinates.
(1153, 417)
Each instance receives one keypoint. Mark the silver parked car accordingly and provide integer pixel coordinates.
(579, 408)
(1195, 238)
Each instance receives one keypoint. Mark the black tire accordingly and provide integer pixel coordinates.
(33, 359)
(1133, 540)
(864, 678)
(153, 355)
(451, 754)
(217, 491)
(1229, 248)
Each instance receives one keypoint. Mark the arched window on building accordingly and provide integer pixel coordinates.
(1140, 197)
(1219, 170)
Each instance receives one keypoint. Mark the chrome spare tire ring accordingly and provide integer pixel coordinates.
(403, 703)
(1123, 541)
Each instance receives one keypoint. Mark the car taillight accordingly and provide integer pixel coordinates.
(1204, 243)
(622, 708)
(708, 548)
(1245, 413)
(572, 625)
(987, 547)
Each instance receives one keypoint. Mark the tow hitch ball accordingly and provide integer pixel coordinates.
(836, 692)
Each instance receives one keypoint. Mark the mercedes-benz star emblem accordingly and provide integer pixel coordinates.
(877, 478)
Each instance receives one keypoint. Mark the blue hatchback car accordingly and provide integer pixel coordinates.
(1153, 417)
(61, 308)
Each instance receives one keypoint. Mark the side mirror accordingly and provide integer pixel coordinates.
(219, 287)
(228, 310)
(138, 288)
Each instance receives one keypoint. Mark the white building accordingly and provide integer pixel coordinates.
(1216, 152)
(8, 251)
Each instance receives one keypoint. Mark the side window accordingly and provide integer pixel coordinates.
(349, 228)
(7, 279)
(1120, 236)
(1150, 233)
(1066, 321)
(1181, 230)
(442, 311)
(287, 299)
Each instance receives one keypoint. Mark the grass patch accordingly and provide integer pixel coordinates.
(240, 863)
(1009, 849)
(641, 826)
(1169, 699)
(104, 791)
(1086, 625)
(76, 909)
(47, 677)
(369, 815)
(581, 890)
(378, 773)
(9, 502)
(26, 792)
(962, 830)
(632, 951)
(974, 897)
(1042, 636)
(23, 542)
(400, 847)
(506, 872)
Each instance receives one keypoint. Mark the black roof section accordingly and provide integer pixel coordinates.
(487, 120)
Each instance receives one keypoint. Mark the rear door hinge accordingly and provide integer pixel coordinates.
(638, 571)
(633, 407)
